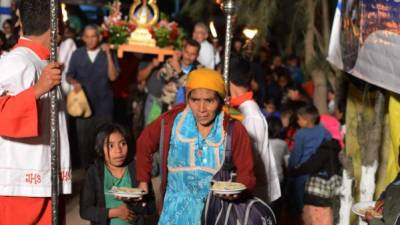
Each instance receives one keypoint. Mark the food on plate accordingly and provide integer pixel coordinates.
(127, 190)
(229, 186)
(372, 211)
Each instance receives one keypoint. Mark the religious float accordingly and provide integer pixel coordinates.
(143, 31)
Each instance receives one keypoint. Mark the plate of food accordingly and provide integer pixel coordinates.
(227, 188)
(363, 207)
(127, 192)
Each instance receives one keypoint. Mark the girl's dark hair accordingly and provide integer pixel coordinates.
(275, 127)
(287, 111)
(103, 138)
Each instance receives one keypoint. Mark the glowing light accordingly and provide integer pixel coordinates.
(64, 13)
(213, 30)
(250, 33)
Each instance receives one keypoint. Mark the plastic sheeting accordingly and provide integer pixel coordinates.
(394, 118)
(365, 41)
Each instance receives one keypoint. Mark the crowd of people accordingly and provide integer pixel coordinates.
(142, 118)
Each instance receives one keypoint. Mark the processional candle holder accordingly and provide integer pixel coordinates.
(229, 10)
(55, 181)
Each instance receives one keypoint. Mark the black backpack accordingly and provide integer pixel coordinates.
(247, 210)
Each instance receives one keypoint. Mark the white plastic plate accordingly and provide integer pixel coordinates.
(361, 208)
(227, 188)
(125, 192)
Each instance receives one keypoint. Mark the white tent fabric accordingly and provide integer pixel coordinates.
(365, 41)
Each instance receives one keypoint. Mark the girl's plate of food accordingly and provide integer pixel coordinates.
(127, 192)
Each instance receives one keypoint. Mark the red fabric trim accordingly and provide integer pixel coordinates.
(39, 50)
(19, 115)
(29, 210)
(237, 101)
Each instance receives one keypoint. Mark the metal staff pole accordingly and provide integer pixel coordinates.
(53, 116)
(229, 9)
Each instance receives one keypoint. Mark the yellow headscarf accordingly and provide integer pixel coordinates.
(206, 78)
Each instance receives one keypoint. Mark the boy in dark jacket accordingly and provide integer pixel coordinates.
(324, 163)
(306, 142)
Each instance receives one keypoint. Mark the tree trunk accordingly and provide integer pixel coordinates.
(340, 86)
(370, 140)
(374, 134)
(320, 90)
(317, 75)
(309, 51)
(346, 199)
(326, 26)
(367, 184)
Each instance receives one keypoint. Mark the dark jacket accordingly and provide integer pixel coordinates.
(391, 208)
(92, 200)
(325, 163)
(94, 79)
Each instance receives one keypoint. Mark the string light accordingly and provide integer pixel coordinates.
(250, 33)
(64, 12)
(213, 30)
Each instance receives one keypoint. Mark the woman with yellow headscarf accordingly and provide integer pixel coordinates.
(191, 140)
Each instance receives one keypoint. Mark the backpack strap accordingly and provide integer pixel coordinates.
(160, 147)
(228, 164)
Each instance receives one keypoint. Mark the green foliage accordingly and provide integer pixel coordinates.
(286, 19)
(258, 14)
(168, 34)
(162, 36)
(179, 41)
(199, 10)
(253, 13)
(119, 35)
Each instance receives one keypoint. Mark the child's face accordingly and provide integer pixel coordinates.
(293, 95)
(238, 46)
(277, 61)
(331, 96)
(283, 81)
(285, 120)
(303, 121)
(116, 151)
(338, 114)
(292, 62)
(254, 85)
(269, 107)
